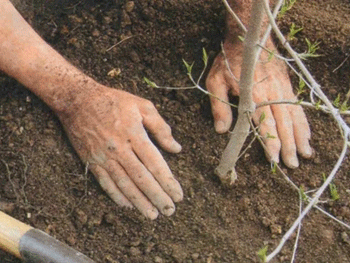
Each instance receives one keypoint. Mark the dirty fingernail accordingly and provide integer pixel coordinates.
(293, 162)
(168, 210)
(176, 147)
(220, 127)
(178, 196)
(152, 213)
(308, 152)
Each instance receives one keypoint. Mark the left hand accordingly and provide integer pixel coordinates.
(287, 123)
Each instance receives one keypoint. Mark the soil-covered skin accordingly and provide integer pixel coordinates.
(43, 183)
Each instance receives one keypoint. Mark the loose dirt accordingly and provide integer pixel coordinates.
(45, 185)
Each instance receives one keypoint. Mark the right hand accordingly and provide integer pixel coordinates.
(108, 132)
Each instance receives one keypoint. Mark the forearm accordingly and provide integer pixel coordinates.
(27, 58)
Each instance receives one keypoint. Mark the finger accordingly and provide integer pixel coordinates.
(222, 113)
(129, 189)
(146, 182)
(268, 131)
(302, 133)
(159, 128)
(285, 131)
(155, 163)
(109, 186)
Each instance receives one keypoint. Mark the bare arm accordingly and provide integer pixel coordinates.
(105, 126)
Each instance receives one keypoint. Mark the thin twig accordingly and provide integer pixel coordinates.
(227, 63)
(10, 180)
(299, 228)
(312, 202)
(239, 22)
(121, 41)
(341, 64)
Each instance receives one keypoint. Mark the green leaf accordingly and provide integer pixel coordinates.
(274, 168)
(150, 83)
(287, 5)
(271, 56)
(270, 136)
(293, 31)
(205, 57)
(344, 106)
(262, 117)
(188, 66)
(241, 38)
(332, 189)
(336, 102)
(334, 192)
(302, 193)
(262, 253)
(318, 105)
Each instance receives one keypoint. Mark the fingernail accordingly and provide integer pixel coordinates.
(178, 196)
(220, 127)
(293, 162)
(308, 152)
(152, 213)
(176, 147)
(168, 210)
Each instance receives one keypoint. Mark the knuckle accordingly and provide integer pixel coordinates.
(149, 107)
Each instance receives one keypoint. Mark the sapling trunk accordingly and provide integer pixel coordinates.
(226, 169)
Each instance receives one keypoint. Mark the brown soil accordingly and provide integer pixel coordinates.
(48, 189)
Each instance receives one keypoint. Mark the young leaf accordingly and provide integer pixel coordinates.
(332, 189)
(344, 106)
(262, 117)
(262, 253)
(241, 38)
(188, 66)
(302, 193)
(205, 57)
(293, 31)
(336, 102)
(318, 105)
(274, 167)
(287, 5)
(271, 56)
(334, 192)
(270, 136)
(150, 83)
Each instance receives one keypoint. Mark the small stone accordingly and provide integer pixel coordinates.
(344, 212)
(7, 207)
(110, 218)
(114, 73)
(178, 253)
(134, 251)
(110, 259)
(81, 216)
(195, 256)
(328, 235)
(107, 20)
(126, 21)
(129, 6)
(96, 33)
(71, 240)
(158, 259)
(345, 238)
(266, 222)
(135, 243)
(134, 57)
(276, 229)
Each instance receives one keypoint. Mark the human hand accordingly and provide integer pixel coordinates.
(285, 128)
(108, 132)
